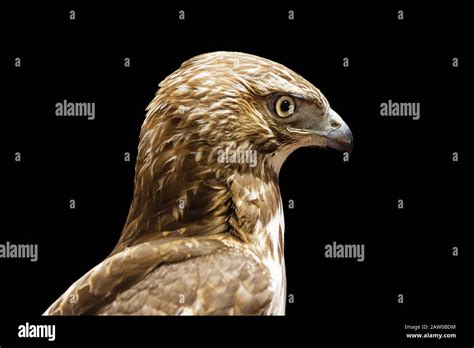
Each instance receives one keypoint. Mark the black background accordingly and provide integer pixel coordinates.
(408, 251)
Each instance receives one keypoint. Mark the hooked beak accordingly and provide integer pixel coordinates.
(340, 137)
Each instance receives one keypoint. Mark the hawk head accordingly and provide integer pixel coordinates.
(237, 101)
(219, 116)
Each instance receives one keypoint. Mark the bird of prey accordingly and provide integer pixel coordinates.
(205, 230)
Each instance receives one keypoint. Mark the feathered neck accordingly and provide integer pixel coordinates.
(180, 195)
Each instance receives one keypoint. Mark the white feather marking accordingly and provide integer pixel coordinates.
(276, 160)
(201, 75)
(275, 264)
(182, 88)
(272, 259)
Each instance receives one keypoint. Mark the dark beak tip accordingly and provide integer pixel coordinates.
(342, 142)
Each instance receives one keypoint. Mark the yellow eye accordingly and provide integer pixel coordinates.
(285, 106)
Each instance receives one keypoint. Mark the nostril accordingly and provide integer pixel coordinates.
(335, 124)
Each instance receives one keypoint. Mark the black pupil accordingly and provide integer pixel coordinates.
(285, 106)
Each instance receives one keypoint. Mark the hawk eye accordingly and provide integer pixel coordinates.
(285, 106)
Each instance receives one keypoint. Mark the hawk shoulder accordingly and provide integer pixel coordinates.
(201, 276)
(224, 282)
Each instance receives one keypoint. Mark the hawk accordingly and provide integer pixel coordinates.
(205, 230)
